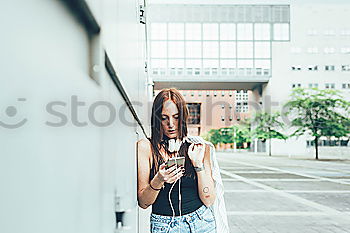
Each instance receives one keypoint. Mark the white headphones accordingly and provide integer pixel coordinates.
(174, 145)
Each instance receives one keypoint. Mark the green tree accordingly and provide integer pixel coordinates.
(267, 126)
(241, 134)
(226, 135)
(319, 113)
(214, 136)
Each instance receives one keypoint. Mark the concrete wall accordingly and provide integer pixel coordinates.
(66, 178)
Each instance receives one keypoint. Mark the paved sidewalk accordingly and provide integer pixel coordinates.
(284, 195)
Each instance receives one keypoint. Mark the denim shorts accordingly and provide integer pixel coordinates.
(201, 220)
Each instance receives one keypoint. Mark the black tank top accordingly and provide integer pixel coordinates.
(190, 200)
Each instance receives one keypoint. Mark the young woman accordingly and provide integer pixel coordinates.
(155, 181)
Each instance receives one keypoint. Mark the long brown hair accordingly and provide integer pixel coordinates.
(158, 138)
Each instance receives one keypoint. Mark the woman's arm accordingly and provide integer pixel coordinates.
(146, 196)
(206, 188)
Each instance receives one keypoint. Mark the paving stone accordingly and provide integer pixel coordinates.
(267, 212)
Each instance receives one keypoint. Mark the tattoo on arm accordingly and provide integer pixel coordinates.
(205, 189)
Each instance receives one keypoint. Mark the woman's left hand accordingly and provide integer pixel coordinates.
(196, 154)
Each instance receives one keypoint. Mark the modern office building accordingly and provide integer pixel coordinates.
(265, 47)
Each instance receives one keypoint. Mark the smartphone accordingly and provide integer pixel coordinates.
(179, 161)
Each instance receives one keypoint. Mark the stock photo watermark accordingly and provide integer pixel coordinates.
(104, 114)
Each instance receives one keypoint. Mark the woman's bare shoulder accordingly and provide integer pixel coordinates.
(144, 146)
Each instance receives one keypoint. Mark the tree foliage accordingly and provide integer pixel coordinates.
(215, 136)
(241, 134)
(318, 113)
(236, 133)
(267, 126)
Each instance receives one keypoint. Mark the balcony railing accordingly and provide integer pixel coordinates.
(225, 72)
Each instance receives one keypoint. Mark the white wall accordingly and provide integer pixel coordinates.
(303, 18)
(63, 179)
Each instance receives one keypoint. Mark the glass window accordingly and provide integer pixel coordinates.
(228, 49)
(210, 49)
(176, 31)
(193, 31)
(262, 67)
(312, 67)
(345, 67)
(245, 107)
(210, 31)
(193, 49)
(227, 31)
(245, 63)
(245, 50)
(329, 85)
(210, 63)
(245, 31)
(238, 107)
(158, 31)
(346, 85)
(176, 49)
(228, 67)
(262, 31)
(194, 110)
(210, 67)
(159, 63)
(281, 31)
(313, 85)
(265, 64)
(176, 63)
(296, 67)
(262, 50)
(329, 68)
(193, 63)
(228, 63)
(159, 66)
(158, 49)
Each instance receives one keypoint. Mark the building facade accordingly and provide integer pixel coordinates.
(215, 109)
(317, 55)
(264, 47)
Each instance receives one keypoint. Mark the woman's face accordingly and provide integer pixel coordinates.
(170, 116)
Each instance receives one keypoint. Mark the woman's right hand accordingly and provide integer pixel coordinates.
(171, 174)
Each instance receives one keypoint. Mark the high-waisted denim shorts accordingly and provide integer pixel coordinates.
(201, 220)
